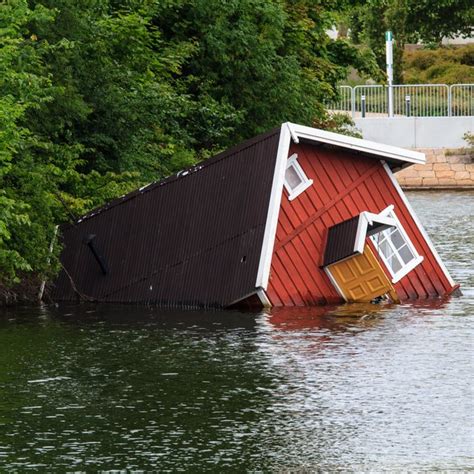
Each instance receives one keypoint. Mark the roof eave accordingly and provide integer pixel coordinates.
(366, 146)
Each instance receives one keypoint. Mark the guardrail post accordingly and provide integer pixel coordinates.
(450, 101)
(362, 105)
(353, 102)
(407, 105)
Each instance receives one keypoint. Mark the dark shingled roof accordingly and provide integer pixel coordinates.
(193, 239)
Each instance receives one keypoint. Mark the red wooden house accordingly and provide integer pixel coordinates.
(296, 216)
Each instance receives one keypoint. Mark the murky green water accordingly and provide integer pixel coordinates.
(359, 387)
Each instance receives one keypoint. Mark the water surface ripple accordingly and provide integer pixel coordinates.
(354, 387)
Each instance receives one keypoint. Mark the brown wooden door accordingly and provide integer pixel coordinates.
(362, 278)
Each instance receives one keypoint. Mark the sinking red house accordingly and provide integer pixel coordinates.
(296, 216)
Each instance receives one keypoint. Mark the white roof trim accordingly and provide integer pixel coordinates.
(264, 298)
(418, 224)
(366, 146)
(273, 208)
(294, 137)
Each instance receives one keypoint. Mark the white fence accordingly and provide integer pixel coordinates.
(410, 100)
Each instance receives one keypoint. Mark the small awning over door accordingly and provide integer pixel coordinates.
(348, 237)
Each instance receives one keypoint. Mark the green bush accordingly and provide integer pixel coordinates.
(467, 57)
(446, 65)
(469, 138)
(421, 60)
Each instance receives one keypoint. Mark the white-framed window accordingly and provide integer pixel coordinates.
(296, 180)
(396, 249)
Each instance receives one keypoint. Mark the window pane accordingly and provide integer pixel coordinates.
(385, 234)
(406, 254)
(397, 239)
(385, 248)
(292, 178)
(394, 263)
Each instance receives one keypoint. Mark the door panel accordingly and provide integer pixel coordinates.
(362, 278)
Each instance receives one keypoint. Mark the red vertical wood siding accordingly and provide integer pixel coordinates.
(344, 185)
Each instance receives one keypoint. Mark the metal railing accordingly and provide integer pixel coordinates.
(410, 100)
(344, 101)
(461, 100)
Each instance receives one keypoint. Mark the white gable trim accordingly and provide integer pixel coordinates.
(418, 223)
(273, 208)
(263, 298)
(358, 144)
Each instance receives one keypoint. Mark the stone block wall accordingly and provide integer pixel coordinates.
(444, 168)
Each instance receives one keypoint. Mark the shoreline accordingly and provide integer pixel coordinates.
(438, 188)
(445, 169)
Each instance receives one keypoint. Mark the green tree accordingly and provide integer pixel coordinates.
(268, 61)
(23, 86)
(410, 21)
(100, 96)
(431, 20)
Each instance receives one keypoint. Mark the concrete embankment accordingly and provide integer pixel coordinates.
(444, 169)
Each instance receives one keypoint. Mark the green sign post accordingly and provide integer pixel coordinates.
(389, 61)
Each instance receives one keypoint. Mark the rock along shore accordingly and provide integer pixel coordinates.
(444, 169)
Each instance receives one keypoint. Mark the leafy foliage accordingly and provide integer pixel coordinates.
(23, 86)
(469, 138)
(443, 65)
(100, 96)
(411, 21)
(267, 61)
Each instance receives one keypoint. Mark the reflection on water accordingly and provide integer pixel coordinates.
(351, 387)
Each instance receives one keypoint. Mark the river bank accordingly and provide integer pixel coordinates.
(26, 292)
(444, 169)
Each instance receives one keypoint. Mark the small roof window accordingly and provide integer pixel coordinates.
(296, 180)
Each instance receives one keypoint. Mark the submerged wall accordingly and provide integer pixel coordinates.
(445, 168)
